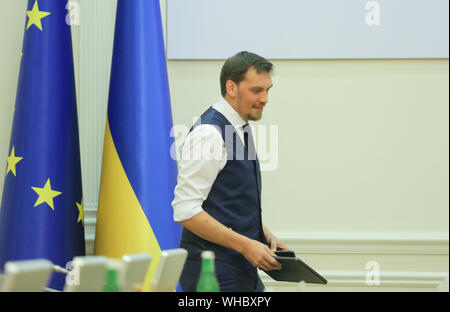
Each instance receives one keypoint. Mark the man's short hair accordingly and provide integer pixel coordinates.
(236, 67)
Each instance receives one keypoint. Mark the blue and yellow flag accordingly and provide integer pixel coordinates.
(41, 212)
(138, 172)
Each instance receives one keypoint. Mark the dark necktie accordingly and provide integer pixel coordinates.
(251, 150)
(249, 143)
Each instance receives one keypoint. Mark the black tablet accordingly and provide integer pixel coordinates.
(285, 253)
(295, 270)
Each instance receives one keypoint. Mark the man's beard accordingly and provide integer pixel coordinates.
(249, 115)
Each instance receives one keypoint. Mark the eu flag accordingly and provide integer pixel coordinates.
(138, 172)
(41, 212)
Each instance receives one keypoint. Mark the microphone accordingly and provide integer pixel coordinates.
(58, 269)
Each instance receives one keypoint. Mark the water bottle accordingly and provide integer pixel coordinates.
(112, 281)
(208, 281)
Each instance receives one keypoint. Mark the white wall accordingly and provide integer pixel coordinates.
(362, 169)
(325, 29)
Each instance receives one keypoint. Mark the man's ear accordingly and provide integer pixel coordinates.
(231, 88)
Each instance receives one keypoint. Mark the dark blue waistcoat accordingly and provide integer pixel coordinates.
(235, 196)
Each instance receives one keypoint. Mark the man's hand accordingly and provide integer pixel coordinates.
(273, 241)
(260, 256)
(257, 253)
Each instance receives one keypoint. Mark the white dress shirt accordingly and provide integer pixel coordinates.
(203, 155)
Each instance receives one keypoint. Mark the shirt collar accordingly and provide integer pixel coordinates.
(228, 111)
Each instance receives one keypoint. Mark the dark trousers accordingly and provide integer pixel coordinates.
(231, 277)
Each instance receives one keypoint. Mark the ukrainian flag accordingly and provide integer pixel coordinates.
(138, 172)
(41, 212)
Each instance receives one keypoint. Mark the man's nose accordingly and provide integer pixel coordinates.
(264, 98)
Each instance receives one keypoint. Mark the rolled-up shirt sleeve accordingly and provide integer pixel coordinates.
(202, 157)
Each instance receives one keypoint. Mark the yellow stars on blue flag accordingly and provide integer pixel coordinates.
(46, 194)
(35, 16)
(12, 162)
(41, 190)
(81, 213)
